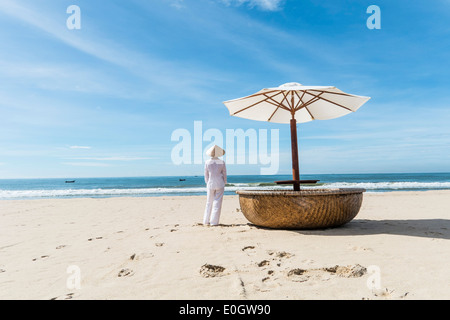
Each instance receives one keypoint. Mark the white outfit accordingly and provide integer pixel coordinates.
(215, 179)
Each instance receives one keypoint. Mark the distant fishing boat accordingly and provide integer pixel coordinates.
(182, 179)
(70, 181)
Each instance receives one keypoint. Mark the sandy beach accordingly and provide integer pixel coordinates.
(156, 248)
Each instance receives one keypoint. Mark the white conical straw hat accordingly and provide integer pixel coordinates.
(215, 151)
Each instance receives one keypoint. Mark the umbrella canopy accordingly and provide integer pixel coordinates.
(306, 102)
(292, 103)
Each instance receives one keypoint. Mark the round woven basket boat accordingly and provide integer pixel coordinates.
(305, 209)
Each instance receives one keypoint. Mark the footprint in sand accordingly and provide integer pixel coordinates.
(299, 275)
(431, 233)
(211, 271)
(386, 294)
(141, 256)
(280, 254)
(68, 296)
(97, 238)
(125, 273)
(41, 258)
(383, 293)
(60, 247)
(355, 271)
(160, 244)
(136, 257)
(358, 248)
(324, 274)
(270, 273)
(263, 263)
(2, 270)
(249, 250)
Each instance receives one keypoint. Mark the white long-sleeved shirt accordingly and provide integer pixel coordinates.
(215, 173)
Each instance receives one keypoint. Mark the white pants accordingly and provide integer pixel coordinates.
(213, 207)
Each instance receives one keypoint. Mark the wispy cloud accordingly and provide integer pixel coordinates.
(178, 4)
(52, 76)
(262, 42)
(118, 158)
(160, 74)
(87, 164)
(49, 25)
(267, 5)
(80, 147)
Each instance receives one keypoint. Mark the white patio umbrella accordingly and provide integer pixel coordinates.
(292, 103)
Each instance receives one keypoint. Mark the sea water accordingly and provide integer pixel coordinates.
(195, 185)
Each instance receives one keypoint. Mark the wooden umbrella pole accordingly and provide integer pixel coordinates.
(294, 147)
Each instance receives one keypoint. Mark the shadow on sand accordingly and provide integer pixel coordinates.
(427, 228)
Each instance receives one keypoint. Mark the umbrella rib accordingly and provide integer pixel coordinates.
(270, 118)
(306, 107)
(279, 104)
(278, 107)
(267, 98)
(308, 103)
(315, 99)
(300, 100)
(337, 104)
(255, 95)
(338, 93)
(310, 114)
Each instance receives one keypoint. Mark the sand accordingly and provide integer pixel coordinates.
(154, 248)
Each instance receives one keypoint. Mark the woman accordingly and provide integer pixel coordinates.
(215, 179)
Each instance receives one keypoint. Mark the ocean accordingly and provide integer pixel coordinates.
(194, 185)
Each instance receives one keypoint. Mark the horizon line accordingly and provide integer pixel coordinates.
(229, 175)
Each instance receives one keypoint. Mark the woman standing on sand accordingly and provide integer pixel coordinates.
(215, 179)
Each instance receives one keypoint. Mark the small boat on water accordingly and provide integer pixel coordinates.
(70, 181)
(182, 179)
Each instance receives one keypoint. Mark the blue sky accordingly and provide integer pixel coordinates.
(104, 100)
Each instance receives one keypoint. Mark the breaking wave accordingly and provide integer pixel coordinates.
(230, 188)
